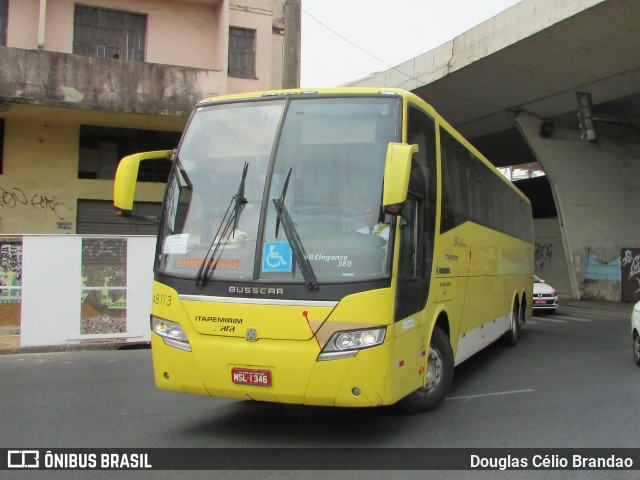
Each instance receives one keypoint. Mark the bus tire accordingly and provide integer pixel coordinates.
(636, 348)
(439, 376)
(513, 334)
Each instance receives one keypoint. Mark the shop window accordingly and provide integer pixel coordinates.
(98, 217)
(101, 149)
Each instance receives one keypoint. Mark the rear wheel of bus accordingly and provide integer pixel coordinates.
(512, 335)
(439, 374)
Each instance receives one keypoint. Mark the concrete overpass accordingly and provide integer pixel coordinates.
(509, 86)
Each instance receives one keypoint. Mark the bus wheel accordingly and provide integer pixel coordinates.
(636, 348)
(513, 334)
(439, 376)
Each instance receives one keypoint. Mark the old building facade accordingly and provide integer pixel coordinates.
(84, 83)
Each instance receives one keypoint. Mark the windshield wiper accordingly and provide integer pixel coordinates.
(227, 228)
(299, 254)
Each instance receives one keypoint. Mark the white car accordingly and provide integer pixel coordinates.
(635, 332)
(545, 297)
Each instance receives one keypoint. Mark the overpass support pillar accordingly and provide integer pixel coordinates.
(596, 194)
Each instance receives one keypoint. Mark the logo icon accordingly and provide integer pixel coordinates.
(276, 257)
(251, 335)
(23, 459)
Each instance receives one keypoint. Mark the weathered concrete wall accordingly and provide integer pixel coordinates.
(186, 55)
(595, 188)
(39, 77)
(550, 260)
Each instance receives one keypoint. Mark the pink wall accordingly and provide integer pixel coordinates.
(22, 30)
(192, 33)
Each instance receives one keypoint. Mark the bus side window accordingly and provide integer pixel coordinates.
(410, 235)
(417, 236)
(411, 282)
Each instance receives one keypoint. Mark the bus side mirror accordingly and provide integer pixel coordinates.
(396, 176)
(124, 188)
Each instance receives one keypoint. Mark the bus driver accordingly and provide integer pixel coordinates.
(373, 218)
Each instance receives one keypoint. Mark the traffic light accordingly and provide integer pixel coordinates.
(585, 115)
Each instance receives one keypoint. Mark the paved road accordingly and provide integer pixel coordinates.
(570, 382)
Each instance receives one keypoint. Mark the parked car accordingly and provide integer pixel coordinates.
(545, 297)
(635, 332)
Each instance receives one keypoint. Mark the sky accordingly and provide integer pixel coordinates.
(344, 40)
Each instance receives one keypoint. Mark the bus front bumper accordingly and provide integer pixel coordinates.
(214, 367)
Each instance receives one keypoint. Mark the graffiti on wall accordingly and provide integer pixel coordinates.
(10, 287)
(10, 271)
(601, 270)
(630, 274)
(543, 255)
(16, 197)
(104, 281)
(104, 250)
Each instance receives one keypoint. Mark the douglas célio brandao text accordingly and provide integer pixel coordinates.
(551, 462)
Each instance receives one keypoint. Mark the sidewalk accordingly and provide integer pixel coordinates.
(615, 307)
(11, 345)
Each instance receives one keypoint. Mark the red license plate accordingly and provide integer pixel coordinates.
(539, 301)
(248, 376)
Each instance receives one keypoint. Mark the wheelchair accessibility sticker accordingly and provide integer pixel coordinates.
(277, 257)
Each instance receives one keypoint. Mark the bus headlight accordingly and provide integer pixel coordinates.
(347, 344)
(171, 332)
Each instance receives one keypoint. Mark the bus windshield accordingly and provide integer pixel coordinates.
(307, 209)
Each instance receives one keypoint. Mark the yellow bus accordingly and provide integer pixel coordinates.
(339, 247)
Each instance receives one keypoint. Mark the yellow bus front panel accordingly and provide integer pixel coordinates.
(361, 381)
(296, 336)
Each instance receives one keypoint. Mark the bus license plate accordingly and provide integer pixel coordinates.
(247, 376)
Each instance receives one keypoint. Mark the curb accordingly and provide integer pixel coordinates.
(615, 307)
(84, 347)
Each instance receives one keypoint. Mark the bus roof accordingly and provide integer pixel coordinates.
(308, 91)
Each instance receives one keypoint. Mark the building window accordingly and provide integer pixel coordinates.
(101, 149)
(4, 16)
(242, 52)
(109, 33)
